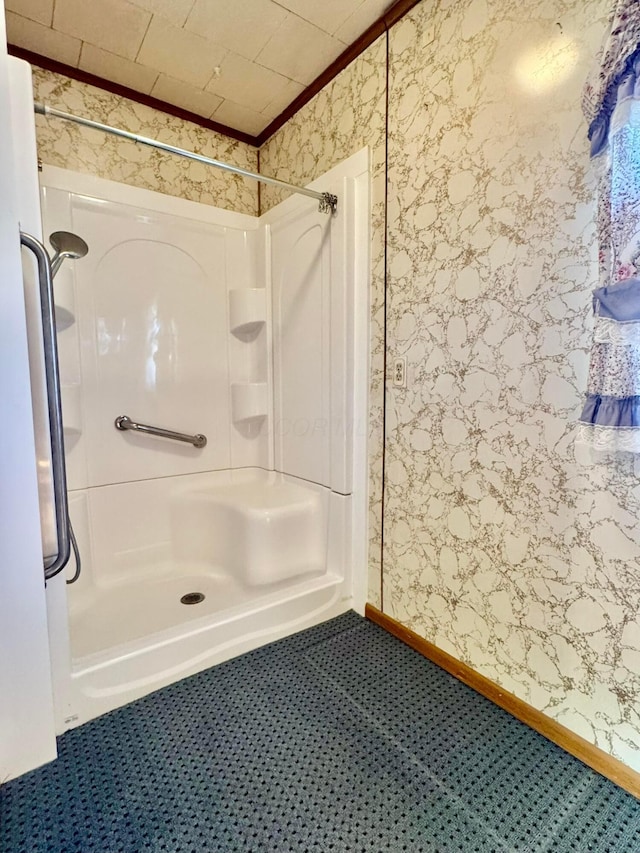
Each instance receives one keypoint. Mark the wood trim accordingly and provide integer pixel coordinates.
(396, 12)
(130, 94)
(572, 743)
(259, 184)
(384, 23)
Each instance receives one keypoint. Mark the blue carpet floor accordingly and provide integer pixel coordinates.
(338, 739)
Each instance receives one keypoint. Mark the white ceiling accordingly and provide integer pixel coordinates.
(238, 62)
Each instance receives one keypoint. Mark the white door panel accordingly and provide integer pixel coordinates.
(26, 706)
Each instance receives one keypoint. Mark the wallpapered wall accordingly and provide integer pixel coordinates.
(83, 150)
(502, 545)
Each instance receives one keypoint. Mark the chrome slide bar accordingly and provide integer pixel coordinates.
(53, 564)
(328, 201)
(124, 422)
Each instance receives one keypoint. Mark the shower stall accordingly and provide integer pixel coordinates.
(214, 371)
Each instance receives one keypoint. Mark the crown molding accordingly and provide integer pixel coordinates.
(131, 94)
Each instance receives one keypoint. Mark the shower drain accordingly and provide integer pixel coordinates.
(192, 598)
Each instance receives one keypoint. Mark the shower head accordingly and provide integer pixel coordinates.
(66, 245)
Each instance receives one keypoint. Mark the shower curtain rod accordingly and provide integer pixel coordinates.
(328, 201)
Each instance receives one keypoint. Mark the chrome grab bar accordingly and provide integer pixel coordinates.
(124, 422)
(53, 564)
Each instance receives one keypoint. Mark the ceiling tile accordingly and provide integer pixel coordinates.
(267, 50)
(113, 25)
(328, 15)
(243, 26)
(246, 83)
(365, 15)
(282, 99)
(115, 68)
(235, 115)
(179, 54)
(32, 36)
(188, 97)
(36, 10)
(175, 11)
(299, 50)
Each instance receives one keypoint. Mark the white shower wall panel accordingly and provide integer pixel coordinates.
(301, 282)
(149, 333)
(312, 281)
(152, 305)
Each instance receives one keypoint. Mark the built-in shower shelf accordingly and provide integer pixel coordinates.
(64, 302)
(248, 401)
(247, 311)
(71, 409)
(64, 318)
(72, 436)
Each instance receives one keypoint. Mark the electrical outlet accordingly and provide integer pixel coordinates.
(400, 372)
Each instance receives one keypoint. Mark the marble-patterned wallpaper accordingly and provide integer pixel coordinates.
(502, 545)
(83, 150)
(347, 115)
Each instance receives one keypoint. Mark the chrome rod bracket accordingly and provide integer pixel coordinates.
(328, 203)
(124, 422)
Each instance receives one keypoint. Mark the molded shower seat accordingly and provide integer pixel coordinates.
(266, 530)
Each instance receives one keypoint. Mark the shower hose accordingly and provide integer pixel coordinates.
(76, 553)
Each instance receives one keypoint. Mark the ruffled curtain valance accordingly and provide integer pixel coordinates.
(610, 419)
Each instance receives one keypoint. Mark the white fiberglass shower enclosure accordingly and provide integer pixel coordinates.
(250, 332)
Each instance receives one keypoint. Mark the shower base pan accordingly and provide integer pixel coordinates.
(277, 561)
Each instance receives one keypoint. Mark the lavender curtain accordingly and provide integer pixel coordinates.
(610, 419)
